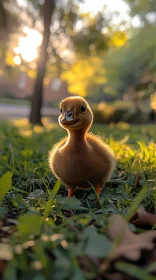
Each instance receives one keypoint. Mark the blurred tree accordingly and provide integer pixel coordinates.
(37, 99)
(8, 17)
(9, 23)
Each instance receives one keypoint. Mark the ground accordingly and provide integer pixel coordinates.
(14, 110)
(46, 235)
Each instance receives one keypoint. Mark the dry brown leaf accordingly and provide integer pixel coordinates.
(126, 243)
(5, 252)
(141, 217)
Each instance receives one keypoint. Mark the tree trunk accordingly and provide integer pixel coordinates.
(37, 98)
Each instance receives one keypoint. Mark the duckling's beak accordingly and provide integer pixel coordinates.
(68, 118)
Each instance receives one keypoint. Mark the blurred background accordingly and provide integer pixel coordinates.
(103, 50)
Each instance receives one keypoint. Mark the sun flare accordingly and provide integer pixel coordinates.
(27, 48)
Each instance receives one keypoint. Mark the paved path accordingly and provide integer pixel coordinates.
(23, 111)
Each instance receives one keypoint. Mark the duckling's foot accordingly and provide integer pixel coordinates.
(98, 191)
(70, 192)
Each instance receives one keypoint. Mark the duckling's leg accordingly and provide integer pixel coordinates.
(70, 192)
(98, 190)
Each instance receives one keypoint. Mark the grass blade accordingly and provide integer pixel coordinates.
(136, 203)
(5, 185)
(51, 198)
(134, 271)
(19, 190)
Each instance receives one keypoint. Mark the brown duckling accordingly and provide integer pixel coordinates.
(80, 160)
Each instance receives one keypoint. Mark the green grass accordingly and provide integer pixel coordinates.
(49, 235)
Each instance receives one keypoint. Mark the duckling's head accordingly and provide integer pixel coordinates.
(75, 114)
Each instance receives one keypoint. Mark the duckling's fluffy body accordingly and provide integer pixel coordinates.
(82, 159)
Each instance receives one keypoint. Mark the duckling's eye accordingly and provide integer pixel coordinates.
(60, 110)
(83, 109)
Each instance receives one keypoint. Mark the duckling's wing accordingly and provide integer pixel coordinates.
(99, 145)
(100, 148)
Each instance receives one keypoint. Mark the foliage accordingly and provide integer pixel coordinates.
(10, 22)
(93, 56)
(84, 74)
(67, 238)
(66, 39)
(72, 50)
(120, 112)
(8, 18)
(120, 64)
(153, 101)
(144, 9)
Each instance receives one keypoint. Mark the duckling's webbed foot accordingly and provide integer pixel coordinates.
(98, 190)
(70, 192)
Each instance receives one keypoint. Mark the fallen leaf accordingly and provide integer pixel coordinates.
(5, 252)
(141, 217)
(126, 243)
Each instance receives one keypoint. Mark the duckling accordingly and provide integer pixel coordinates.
(81, 160)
